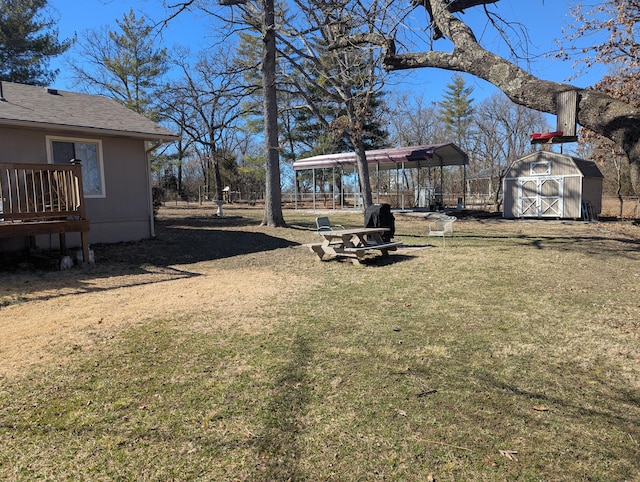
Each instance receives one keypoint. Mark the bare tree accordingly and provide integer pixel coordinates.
(414, 122)
(273, 192)
(206, 105)
(261, 16)
(503, 130)
(619, 50)
(597, 111)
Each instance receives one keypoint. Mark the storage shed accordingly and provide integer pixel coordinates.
(547, 184)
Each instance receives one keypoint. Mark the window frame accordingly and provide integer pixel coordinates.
(535, 165)
(81, 140)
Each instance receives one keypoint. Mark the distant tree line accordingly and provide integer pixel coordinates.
(331, 78)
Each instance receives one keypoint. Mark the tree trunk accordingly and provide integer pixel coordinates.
(355, 133)
(363, 171)
(218, 181)
(598, 112)
(273, 193)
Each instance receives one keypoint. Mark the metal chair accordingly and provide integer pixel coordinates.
(442, 227)
(323, 224)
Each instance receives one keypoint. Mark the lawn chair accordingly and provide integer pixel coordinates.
(324, 224)
(442, 227)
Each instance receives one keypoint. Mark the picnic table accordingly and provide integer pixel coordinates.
(352, 243)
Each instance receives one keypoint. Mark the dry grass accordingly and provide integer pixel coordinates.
(225, 351)
(611, 208)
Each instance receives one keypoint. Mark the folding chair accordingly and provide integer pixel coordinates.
(323, 224)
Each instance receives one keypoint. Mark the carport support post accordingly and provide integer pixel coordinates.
(341, 188)
(377, 183)
(313, 173)
(464, 186)
(429, 185)
(295, 190)
(441, 184)
(403, 184)
(416, 195)
(397, 184)
(333, 187)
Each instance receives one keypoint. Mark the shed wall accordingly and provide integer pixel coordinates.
(560, 164)
(572, 197)
(592, 192)
(509, 203)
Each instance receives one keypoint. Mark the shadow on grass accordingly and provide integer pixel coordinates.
(589, 243)
(179, 242)
(577, 407)
(379, 261)
(278, 447)
(192, 240)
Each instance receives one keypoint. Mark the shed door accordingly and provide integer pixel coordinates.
(540, 197)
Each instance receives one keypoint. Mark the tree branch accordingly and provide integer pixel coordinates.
(614, 119)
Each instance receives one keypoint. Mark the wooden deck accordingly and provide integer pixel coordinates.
(38, 199)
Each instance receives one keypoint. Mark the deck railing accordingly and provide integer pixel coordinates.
(41, 191)
(40, 199)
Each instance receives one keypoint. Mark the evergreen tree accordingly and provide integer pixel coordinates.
(124, 65)
(455, 111)
(28, 41)
(321, 129)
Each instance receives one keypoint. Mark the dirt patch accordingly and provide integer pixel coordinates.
(189, 267)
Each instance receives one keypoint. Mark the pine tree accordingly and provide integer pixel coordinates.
(455, 111)
(124, 65)
(28, 42)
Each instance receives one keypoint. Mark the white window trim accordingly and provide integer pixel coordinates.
(536, 164)
(50, 139)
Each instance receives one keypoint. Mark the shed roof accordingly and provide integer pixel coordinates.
(29, 106)
(410, 157)
(586, 167)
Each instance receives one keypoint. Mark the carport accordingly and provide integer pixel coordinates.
(399, 158)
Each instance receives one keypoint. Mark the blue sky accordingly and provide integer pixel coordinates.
(544, 20)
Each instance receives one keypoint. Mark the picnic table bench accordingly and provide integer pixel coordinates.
(352, 244)
(38, 199)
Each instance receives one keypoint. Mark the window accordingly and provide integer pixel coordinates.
(89, 152)
(542, 168)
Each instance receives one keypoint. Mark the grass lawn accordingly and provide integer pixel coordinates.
(510, 354)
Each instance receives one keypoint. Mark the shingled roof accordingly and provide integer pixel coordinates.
(45, 108)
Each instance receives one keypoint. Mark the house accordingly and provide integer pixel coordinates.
(547, 184)
(44, 125)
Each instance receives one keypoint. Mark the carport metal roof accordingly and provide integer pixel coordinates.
(434, 155)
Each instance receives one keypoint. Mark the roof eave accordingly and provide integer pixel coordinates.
(147, 136)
